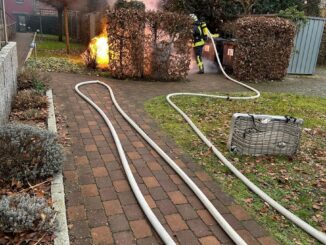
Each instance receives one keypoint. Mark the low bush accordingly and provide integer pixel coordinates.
(30, 115)
(32, 79)
(21, 213)
(28, 154)
(264, 48)
(29, 99)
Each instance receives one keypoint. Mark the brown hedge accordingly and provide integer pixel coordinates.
(149, 45)
(264, 48)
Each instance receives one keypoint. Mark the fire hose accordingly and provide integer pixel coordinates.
(210, 207)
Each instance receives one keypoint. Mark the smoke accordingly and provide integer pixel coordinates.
(150, 4)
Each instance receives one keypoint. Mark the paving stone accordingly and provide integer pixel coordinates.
(187, 211)
(102, 235)
(133, 212)
(89, 190)
(100, 172)
(149, 241)
(187, 237)
(93, 203)
(267, 241)
(96, 218)
(121, 185)
(74, 198)
(249, 239)
(124, 238)
(81, 160)
(90, 148)
(209, 240)
(103, 182)
(176, 222)
(203, 176)
(140, 228)
(118, 223)
(220, 234)
(154, 166)
(177, 197)
(150, 201)
(239, 212)
(176, 179)
(151, 182)
(166, 206)
(199, 228)
(158, 193)
(112, 207)
(117, 175)
(76, 213)
(253, 227)
(86, 179)
(70, 176)
(108, 193)
(80, 230)
(206, 217)
(127, 198)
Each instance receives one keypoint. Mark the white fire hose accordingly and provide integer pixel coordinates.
(210, 207)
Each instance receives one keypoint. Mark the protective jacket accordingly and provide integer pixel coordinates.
(200, 34)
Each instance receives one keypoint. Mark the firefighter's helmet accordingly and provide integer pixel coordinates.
(194, 17)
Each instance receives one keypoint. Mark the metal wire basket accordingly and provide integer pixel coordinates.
(264, 135)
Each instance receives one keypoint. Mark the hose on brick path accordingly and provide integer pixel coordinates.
(210, 207)
(135, 188)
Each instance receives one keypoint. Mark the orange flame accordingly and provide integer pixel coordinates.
(99, 50)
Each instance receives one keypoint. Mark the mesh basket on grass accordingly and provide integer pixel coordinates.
(264, 48)
(28, 154)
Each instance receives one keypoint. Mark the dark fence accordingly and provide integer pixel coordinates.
(46, 21)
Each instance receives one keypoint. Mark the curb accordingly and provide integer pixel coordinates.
(57, 187)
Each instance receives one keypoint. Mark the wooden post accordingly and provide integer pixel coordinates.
(67, 29)
(60, 27)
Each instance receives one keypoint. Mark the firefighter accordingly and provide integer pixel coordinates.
(200, 36)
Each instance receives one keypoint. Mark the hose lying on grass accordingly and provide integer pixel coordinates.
(210, 207)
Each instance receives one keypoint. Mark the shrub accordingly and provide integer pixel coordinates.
(28, 154)
(294, 14)
(264, 48)
(30, 115)
(130, 4)
(152, 45)
(21, 213)
(31, 79)
(29, 99)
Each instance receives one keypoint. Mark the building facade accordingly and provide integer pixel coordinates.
(19, 11)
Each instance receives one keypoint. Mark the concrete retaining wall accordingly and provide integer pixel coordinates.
(8, 79)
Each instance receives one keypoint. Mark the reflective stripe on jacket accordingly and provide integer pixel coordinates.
(200, 34)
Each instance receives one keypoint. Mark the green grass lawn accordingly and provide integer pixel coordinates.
(52, 56)
(297, 183)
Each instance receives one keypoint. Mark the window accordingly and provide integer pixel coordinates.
(20, 1)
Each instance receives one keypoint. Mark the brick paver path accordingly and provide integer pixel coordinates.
(23, 41)
(101, 206)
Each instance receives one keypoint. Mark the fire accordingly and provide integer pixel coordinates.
(99, 50)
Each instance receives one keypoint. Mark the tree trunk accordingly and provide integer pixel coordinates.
(60, 27)
(67, 29)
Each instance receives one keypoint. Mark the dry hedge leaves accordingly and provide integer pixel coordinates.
(264, 48)
(149, 45)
